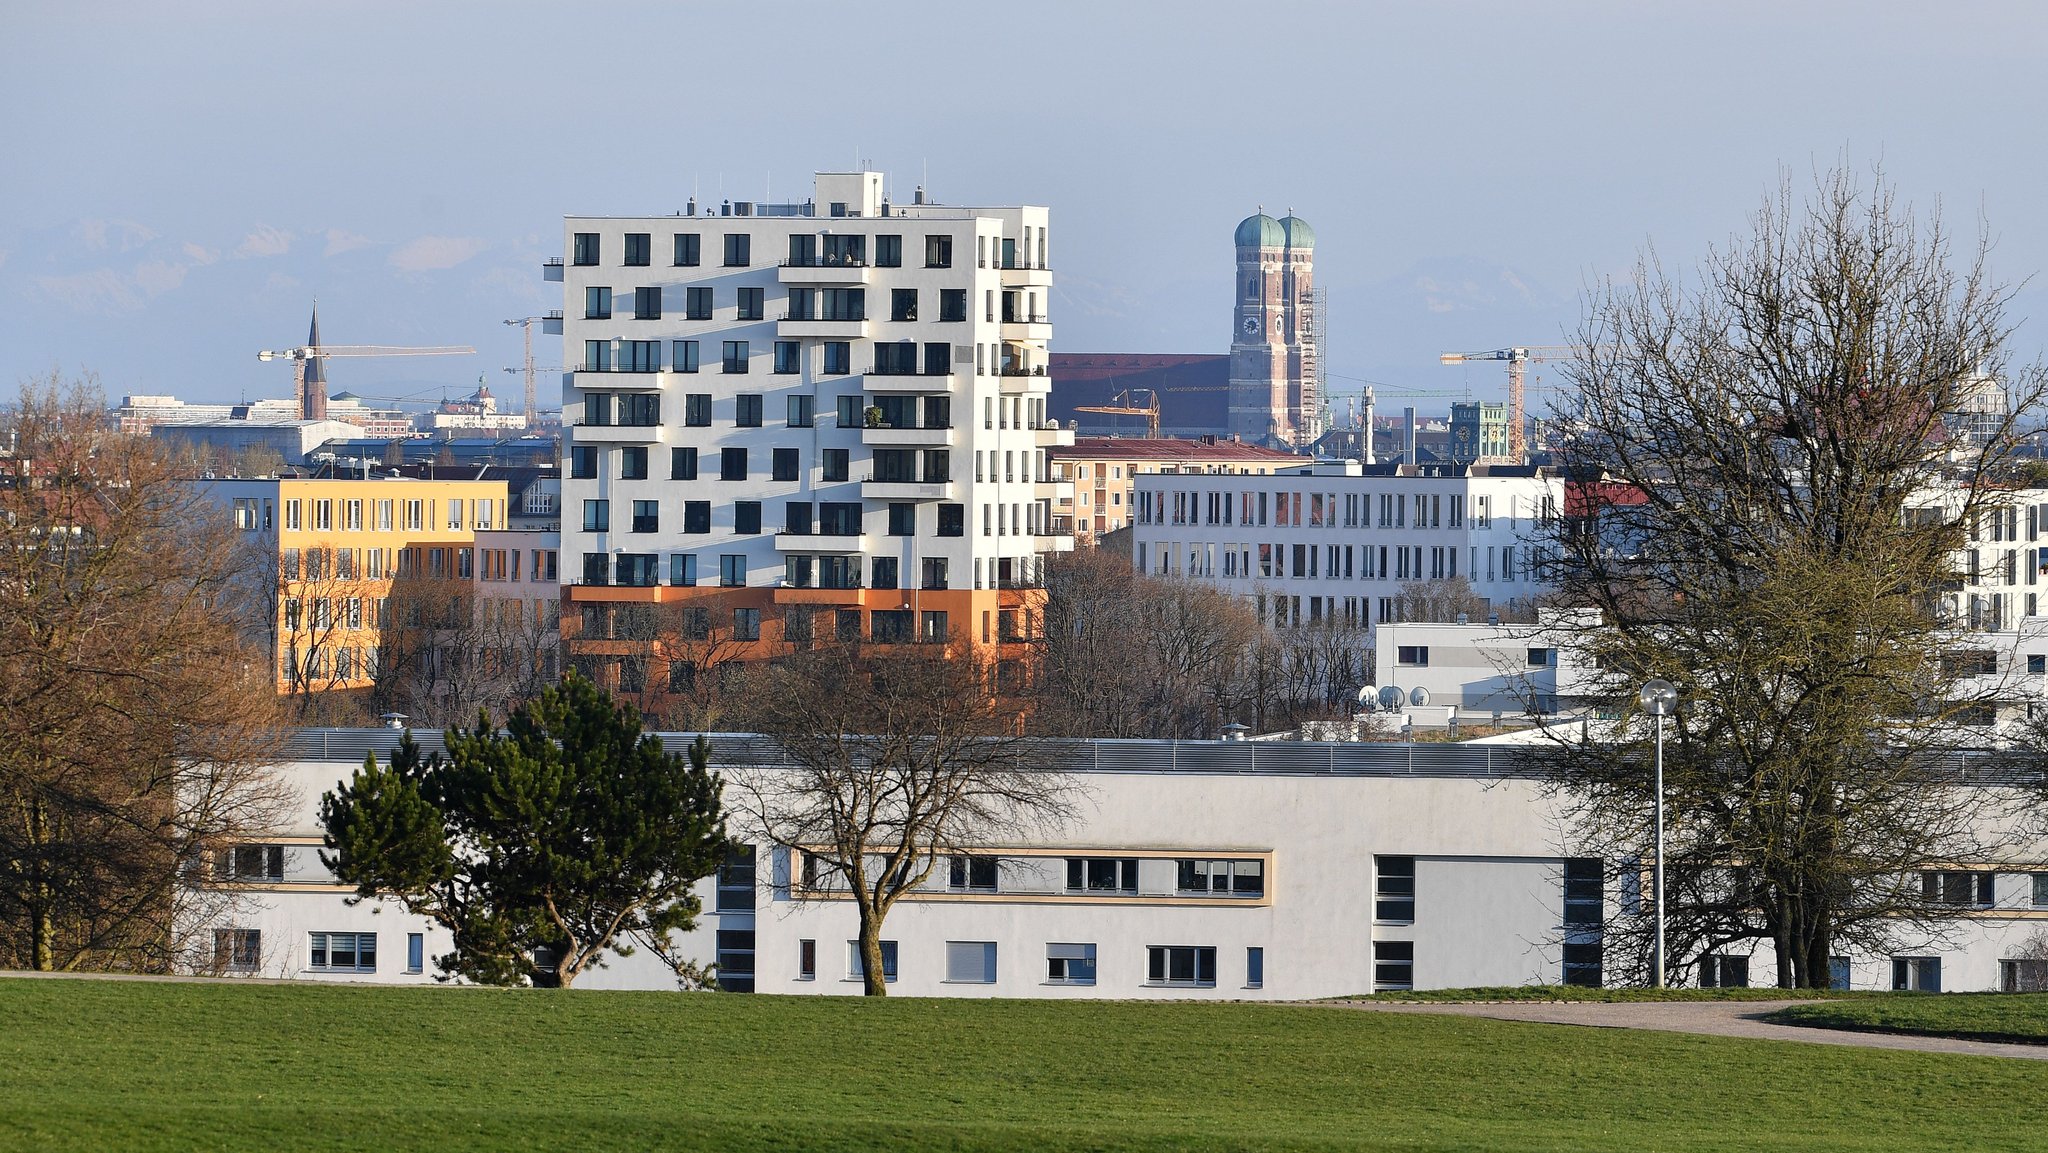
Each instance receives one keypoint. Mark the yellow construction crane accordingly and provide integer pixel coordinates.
(1516, 358)
(309, 375)
(1120, 405)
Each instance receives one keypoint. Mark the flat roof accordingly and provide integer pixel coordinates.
(1173, 448)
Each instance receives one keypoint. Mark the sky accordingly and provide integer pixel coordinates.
(183, 181)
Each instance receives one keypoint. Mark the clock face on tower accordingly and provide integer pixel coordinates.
(1251, 326)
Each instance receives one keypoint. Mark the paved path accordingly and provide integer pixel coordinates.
(1715, 1018)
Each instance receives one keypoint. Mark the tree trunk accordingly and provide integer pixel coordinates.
(874, 982)
(42, 933)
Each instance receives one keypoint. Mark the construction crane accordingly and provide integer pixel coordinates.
(1120, 405)
(530, 372)
(309, 375)
(1516, 358)
(526, 324)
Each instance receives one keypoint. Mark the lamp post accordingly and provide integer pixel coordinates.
(1658, 697)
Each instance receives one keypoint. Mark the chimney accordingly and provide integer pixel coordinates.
(1368, 424)
(918, 196)
(1408, 445)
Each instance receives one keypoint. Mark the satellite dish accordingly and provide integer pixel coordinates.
(1391, 697)
(1419, 697)
(1368, 699)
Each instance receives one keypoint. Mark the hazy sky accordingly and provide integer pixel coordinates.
(182, 180)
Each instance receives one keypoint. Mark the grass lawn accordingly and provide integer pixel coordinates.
(142, 1066)
(2019, 1017)
(1604, 996)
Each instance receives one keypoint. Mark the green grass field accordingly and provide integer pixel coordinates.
(142, 1066)
(2021, 1017)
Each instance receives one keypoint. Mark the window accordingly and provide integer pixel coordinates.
(682, 464)
(1542, 658)
(834, 463)
(1255, 967)
(1069, 964)
(585, 250)
(902, 518)
(641, 356)
(1719, 971)
(415, 952)
(1415, 655)
(682, 569)
(966, 873)
(689, 249)
(1393, 965)
(807, 959)
(1582, 965)
(696, 516)
(638, 250)
(1102, 874)
(838, 357)
(888, 626)
(736, 960)
(903, 304)
(683, 355)
(732, 464)
(888, 252)
(895, 358)
(2040, 890)
(738, 250)
(1393, 888)
(934, 622)
(646, 516)
(839, 518)
(597, 303)
(746, 624)
(344, 952)
(633, 463)
(1584, 906)
(800, 410)
(735, 356)
(952, 304)
(938, 358)
(788, 357)
(971, 962)
(855, 971)
(732, 570)
(238, 950)
(938, 252)
(697, 409)
(1187, 965)
(1231, 878)
(952, 520)
(746, 516)
(1952, 888)
(1917, 974)
(697, 303)
(647, 304)
(798, 518)
(750, 307)
(597, 516)
(746, 409)
(251, 863)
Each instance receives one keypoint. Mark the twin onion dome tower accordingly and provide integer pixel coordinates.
(1276, 322)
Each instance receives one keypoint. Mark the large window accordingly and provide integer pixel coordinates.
(1917, 974)
(736, 960)
(1582, 964)
(888, 252)
(682, 464)
(788, 356)
(838, 357)
(1102, 874)
(646, 516)
(1069, 963)
(735, 356)
(938, 252)
(597, 516)
(834, 463)
(732, 464)
(855, 971)
(746, 624)
(683, 355)
(1187, 965)
(697, 409)
(952, 304)
(689, 249)
(1720, 971)
(1393, 965)
(344, 952)
(971, 962)
(633, 462)
(696, 516)
(1953, 888)
(697, 303)
(1416, 656)
(586, 249)
(903, 304)
(738, 250)
(897, 358)
(638, 249)
(1393, 888)
(746, 516)
(965, 873)
(250, 863)
(1223, 878)
(746, 410)
(1584, 905)
(783, 464)
(732, 570)
(238, 950)
(597, 303)
(750, 304)
(647, 304)
(952, 520)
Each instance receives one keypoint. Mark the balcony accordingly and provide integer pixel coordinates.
(910, 382)
(1051, 435)
(1018, 275)
(887, 436)
(1024, 326)
(820, 270)
(551, 269)
(617, 433)
(551, 324)
(795, 327)
(871, 489)
(607, 378)
(818, 542)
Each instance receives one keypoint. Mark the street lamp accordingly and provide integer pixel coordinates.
(1658, 698)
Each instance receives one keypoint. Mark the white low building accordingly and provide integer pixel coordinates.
(1202, 870)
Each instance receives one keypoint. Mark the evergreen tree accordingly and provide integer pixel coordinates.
(541, 847)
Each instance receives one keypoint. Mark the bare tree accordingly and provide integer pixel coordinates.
(1751, 454)
(137, 729)
(895, 757)
(1442, 601)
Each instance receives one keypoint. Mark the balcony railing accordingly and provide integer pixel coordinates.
(1025, 318)
(1021, 370)
(588, 367)
(822, 318)
(880, 370)
(825, 261)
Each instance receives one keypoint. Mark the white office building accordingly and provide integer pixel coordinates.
(836, 405)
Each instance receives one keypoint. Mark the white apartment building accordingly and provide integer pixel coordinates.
(834, 406)
(1199, 869)
(1335, 541)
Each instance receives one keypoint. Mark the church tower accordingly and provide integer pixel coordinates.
(1273, 354)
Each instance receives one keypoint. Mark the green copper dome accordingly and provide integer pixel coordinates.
(1299, 234)
(1260, 231)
